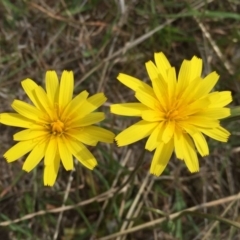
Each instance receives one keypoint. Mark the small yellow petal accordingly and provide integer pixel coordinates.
(219, 99)
(51, 172)
(17, 120)
(147, 99)
(74, 106)
(152, 71)
(196, 68)
(153, 116)
(19, 149)
(52, 86)
(161, 158)
(51, 151)
(160, 87)
(187, 93)
(30, 134)
(91, 104)
(90, 119)
(216, 113)
(202, 122)
(200, 143)
(184, 76)
(218, 133)
(168, 131)
(64, 153)
(178, 143)
(99, 134)
(82, 136)
(35, 156)
(172, 82)
(206, 85)
(209, 82)
(134, 83)
(135, 132)
(155, 138)
(128, 109)
(29, 87)
(82, 153)
(189, 154)
(66, 89)
(45, 102)
(28, 111)
(162, 63)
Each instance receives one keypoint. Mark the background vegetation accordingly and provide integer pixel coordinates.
(98, 39)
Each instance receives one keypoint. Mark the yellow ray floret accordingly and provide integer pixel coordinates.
(176, 111)
(56, 126)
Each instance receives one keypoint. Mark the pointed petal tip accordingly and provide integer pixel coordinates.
(47, 184)
(93, 165)
(194, 170)
(118, 142)
(25, 169)
(154, 173)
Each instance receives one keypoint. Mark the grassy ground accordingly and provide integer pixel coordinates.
(97, 39)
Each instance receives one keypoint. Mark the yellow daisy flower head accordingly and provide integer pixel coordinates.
(57, 126)
(175, 112)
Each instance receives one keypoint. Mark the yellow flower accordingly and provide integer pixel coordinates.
(57, 127)
(175, 112)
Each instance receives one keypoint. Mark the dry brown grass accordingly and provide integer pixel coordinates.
(119, 200)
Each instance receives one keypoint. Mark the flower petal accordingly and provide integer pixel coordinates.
(202, 122)
(152, 71)
(160, 86)
(82, 136)
(153, 116)
(17, 120)
(196, 68)
(28, 134)
(134, 83)
(209, 82)
(91, 104)
(216, 113)
(219, 99)
(19, 149)
(168, 131)
(28, 111)
(161, 158)
(155, 138)
(29, 86)
(45, 102)
(178, 143)
(128, 109)
(66, 89)
(99, 134)
(184, 76)
(135, 132)
(74, 106)
(51, 151)
(51, 172)
(52, 86)
(147, 99)
(162, 63)
(218, 133)
(90, 119)
(172, 83)
(189, 154)
(64, 153)
(82, 153)
(200, 143)
(35, 156)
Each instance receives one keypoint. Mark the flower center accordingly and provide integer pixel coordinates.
(57, 127)
(171, 115)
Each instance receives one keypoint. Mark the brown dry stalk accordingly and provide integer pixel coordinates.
(99, 198)
(172, 216)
